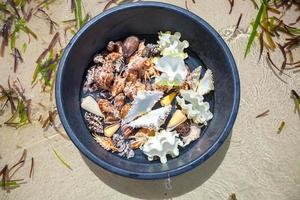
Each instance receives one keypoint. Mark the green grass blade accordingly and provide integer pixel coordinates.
(254, 28)
(65, 163)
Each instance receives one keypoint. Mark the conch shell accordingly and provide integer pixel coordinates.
(197, 109)
(173, 71)
(89, 104)
(161, 145)
(142, 104)
(170, 44)
(153, 119)
(206, 84)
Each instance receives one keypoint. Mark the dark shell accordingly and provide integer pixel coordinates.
(183, 129)
(130, 45)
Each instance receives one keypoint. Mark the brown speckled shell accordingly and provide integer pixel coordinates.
(125, 110)
(118, 86)
(119, 101)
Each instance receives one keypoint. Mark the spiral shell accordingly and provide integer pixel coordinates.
(119, 101)
(130, 45)
(118, 86)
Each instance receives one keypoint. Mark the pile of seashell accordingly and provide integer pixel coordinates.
(135, 86)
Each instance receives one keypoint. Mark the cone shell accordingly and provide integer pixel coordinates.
(177, 119)
(110, 130)
(167, 100)
(89, 104)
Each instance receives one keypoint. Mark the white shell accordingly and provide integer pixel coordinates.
(173, 71)
(170, 44)
(153, 120)
(143, 103)
(197, 109)
(206, 84)
(89, 104)
(192, 136)
(161, 145)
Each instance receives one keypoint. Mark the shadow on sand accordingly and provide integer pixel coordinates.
(156, 189)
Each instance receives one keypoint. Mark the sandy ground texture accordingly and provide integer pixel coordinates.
(255, 162)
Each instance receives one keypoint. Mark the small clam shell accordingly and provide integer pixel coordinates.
(89, 104)
(110, 130)
(130, 45)
(177, 119)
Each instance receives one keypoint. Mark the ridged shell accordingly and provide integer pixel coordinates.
(142, 104)
(206, 84)
(196, 109)
(173, 71)
(153, 120)
(161, 145)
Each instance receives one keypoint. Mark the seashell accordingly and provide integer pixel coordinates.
(194, 77)
(167, 100)
(137, 63)
(162, 88)
(113, 56)
(130, 90)
(177, 119)
(127, 130)
(105, 142)
(104, 77)
(94, 123)
(153, 119)
(193, 135)
(183, 129)
(123, 146)
(151, 50)
(140, 138)
(115, 47)
(161, 145)
(98, 59)
(124, 111)
(110, 130)
(142, 104)
(89, 104)
(206, 84)
(110, 46)
(173, 71)
(170, 44)
(104, 105)
(118, 86)
(146, 131)
(119, 101)
(111, 113)
(131, 75)
(197, 110)
(130, 45)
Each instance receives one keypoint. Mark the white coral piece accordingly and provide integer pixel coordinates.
(143, 103)
(197, 110)
(193, 135)
(162, 144)
(173, 71)
(170, 44)
(206, 84)
(152, 120)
